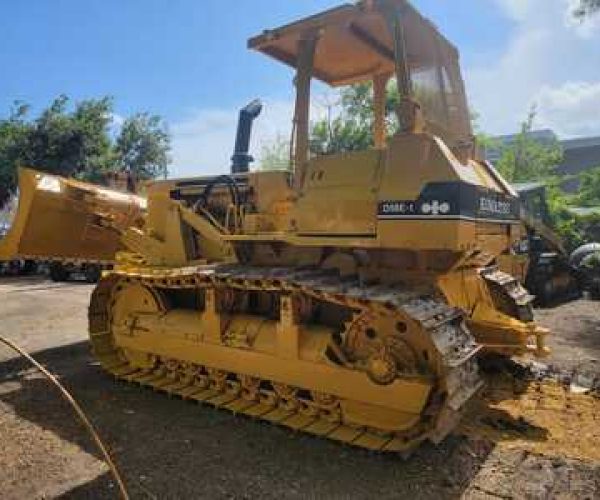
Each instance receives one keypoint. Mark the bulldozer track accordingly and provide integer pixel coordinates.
(519, 302)
(296, 407)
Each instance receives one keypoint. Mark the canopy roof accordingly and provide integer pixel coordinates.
(355, 43)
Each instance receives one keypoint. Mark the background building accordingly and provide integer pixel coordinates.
(579, 154)
(544, 136)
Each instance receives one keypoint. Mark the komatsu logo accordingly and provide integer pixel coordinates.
(431, 208)
(435, 207)
(492, 206)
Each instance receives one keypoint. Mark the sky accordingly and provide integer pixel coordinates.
(186, 60)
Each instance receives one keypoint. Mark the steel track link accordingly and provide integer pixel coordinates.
(443, 322)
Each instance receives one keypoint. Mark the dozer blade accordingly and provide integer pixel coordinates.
(64, 219)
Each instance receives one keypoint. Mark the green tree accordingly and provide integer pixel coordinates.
(589, 189)
(339, 135)
(95, 156)
(75, 141)
(72, 142)
(143, 146)
(14, 134)
(526, 159)
(352, 128)
(275, 155)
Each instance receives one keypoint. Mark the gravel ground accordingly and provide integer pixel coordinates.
(575, 339)
(168, 448)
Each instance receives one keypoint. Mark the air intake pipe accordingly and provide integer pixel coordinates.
(241, 160)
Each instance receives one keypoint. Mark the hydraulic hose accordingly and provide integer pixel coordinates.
(77, 409)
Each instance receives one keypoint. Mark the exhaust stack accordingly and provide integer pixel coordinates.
(241, 160)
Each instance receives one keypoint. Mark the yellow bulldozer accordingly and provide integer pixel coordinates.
(350, 297)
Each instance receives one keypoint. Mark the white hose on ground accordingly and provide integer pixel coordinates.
(78, 411)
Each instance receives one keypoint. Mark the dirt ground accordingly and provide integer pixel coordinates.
(575, 341)
(168, 448)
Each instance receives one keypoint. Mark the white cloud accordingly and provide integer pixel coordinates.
(572, 109)
(551, 61)
(203, 143)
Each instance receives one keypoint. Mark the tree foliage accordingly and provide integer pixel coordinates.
(526, 159)
(352, 128)
(275, 155)
(339, 135)
(589, 188)
(71, 142)
(143, 146)
(75, 140)
(575, 230)
(347, 128)
(14, 133)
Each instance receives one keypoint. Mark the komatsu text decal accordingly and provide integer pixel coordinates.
(453, 200)
(496, 207)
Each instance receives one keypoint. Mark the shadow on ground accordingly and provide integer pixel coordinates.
(172, 448)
